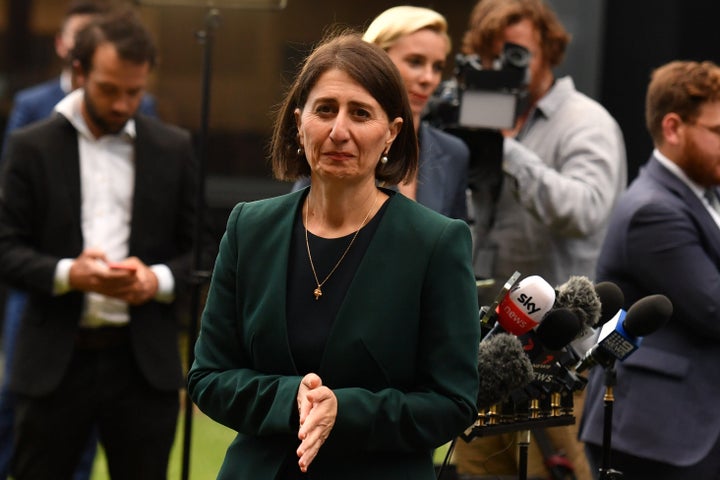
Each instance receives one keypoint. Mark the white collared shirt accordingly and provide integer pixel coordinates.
(697, 189)
(107, 180)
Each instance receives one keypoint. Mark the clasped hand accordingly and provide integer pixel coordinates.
(135, 285)
(317, 405)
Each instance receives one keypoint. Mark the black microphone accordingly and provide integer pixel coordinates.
(546, 349)
(502, 368)
(611, 301)
(544, 344)
(621, 335)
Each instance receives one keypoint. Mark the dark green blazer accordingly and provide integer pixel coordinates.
(401, 356)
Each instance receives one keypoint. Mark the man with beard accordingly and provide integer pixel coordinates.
(30, 105)
(664, 237)
(96, 223)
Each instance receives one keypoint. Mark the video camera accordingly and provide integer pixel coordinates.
(482, 97)
(475, 106)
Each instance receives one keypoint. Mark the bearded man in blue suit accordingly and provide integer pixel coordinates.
(664, 237)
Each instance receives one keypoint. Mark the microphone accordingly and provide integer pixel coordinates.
(502, 368)
(544, 344)
(622, 334)
(523, 307)
(611, 300)
(579, 295)
(488, 314)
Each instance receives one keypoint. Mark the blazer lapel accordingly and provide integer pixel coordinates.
(673, 184)
(145, 186)
(68, 142)
(374, 268)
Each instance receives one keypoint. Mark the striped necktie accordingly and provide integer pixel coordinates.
(712, 198)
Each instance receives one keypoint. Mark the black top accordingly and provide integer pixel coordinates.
(309, 321)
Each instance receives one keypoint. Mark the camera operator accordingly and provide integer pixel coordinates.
(563, 168)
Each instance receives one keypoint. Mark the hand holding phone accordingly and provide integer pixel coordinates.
(122, 266)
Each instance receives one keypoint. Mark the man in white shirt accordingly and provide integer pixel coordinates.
(96, 223)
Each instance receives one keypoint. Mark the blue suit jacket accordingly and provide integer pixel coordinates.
(401, 356)
(442, 173)
(661, 239)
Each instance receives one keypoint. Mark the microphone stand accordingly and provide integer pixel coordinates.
(204, 37)
(605, 472)
(523, 439)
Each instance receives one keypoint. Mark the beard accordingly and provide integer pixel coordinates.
(105, 125)
(698, 164)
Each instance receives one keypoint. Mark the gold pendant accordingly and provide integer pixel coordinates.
(318, 293)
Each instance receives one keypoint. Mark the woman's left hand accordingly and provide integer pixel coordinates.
(318, 409)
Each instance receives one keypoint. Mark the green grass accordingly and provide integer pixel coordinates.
(209, 442)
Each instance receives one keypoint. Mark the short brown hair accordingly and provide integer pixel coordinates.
(490, 18)
(680, 87)
(121, 27)
(369, 66)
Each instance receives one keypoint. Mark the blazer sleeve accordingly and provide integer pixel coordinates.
(221, 380)
(18, 117)
(23, 228)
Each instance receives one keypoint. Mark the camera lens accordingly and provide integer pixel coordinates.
(515, 55)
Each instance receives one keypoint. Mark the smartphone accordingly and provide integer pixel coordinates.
(122, 266)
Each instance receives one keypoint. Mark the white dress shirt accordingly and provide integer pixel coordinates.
(107, 180)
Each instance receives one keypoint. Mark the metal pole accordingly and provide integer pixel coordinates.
(205, 37)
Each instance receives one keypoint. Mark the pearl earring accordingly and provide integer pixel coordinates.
(299, 151)
(384, 159)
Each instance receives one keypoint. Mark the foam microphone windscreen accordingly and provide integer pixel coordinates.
(578, 294)
(503, 367)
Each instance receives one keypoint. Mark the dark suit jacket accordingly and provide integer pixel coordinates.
(40, 224)
(661, 239)
(401, 357)
(443, 172)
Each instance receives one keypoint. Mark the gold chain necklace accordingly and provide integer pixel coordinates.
(318, 290)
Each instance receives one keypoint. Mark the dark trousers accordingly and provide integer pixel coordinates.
(102, 387)
(14, 307)
(633, 467)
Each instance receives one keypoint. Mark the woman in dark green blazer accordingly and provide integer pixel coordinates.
(341, 328)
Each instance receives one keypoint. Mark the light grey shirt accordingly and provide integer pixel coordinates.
(563, 174)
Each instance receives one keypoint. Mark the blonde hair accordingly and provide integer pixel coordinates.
(397, 22)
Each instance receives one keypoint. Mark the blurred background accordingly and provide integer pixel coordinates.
(256, 51)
